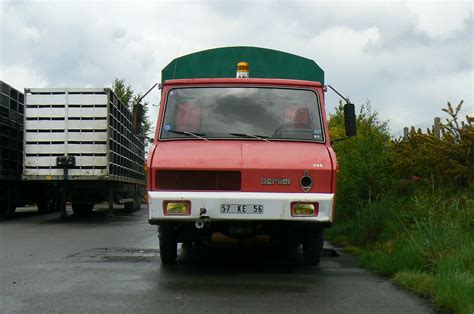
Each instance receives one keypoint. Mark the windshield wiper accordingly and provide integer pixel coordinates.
(196, 135)
(259, 137)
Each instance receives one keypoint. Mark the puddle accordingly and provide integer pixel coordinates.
(126, 255)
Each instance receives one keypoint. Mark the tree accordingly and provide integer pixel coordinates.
(124, 92)
(365, 160)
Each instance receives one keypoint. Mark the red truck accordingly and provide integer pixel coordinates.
(242, 148)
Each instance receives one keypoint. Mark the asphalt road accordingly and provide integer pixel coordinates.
(99, 264)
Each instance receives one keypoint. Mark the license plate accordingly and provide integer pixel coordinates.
(241, 209)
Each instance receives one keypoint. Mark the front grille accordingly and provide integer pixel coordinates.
(198, 180)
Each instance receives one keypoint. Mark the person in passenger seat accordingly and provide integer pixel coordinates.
(296, 117)
(188, 117)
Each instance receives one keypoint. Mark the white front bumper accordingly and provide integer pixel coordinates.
(276, 205)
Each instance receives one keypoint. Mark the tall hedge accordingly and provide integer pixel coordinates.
(365, 161)
(372, 165)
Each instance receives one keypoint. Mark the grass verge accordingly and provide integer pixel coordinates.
(425, 242)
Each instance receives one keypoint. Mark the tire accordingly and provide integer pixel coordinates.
(129, 207)
(132, 207)
(43, 206)
(55, 204)
(48, 205)
(7, 210)
(11, 210)
(187, 245)
(168, 244)
(82, 209)
(312, 246)
(138, 204)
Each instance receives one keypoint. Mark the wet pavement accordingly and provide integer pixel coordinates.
(103, 264)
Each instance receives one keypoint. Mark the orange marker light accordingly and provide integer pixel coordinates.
(303, 209)
(242, 70)
(176, 208)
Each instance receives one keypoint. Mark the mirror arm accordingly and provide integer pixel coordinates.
(137, 111)
(349, 116)
(141, 98)
(345, 99)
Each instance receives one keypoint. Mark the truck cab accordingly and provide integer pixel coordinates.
(243, 157)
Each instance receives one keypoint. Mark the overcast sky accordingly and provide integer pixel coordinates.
(407, 58)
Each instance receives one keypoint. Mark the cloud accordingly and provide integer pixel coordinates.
(408, 59)
(438, 19)
(21, 77)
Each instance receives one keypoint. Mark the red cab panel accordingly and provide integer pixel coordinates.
(264, 166)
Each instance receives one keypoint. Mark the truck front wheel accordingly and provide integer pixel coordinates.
(168, 243)
(312, 246)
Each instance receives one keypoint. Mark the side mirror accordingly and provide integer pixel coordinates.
(350, 120)
(137, 114)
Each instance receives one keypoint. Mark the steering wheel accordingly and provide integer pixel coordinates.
(287, 125)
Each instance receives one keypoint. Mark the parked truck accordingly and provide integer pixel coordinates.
(14, 191)
(11, 147)
(242, 148)
(80, 147)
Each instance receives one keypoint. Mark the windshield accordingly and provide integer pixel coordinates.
(242, 112)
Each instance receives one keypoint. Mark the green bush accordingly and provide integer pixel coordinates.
(447, 161)
(364, 160)
(406, 207)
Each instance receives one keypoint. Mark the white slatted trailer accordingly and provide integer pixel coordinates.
(91, 126)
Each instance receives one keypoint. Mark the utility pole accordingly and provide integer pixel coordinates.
(437, 127)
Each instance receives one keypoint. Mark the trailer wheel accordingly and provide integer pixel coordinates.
(82, 209)
(168, 244)
(57, 205)
(129, 207)
(7, 211)
(11, 210)
(138, 203)
(43, 206)
(47, 205)
(132, 207)
(312, 246)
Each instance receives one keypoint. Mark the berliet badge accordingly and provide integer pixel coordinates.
(272, 181)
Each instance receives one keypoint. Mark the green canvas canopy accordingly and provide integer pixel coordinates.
(263, 63)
